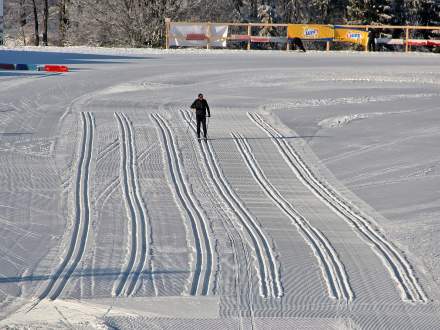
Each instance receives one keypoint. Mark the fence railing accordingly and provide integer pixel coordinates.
(210, 34)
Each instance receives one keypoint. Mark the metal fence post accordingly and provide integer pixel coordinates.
(167, 32)
(406, 39)
(249, 36)
(208, 45)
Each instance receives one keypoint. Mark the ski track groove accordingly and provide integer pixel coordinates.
(110, 147)
(106, 193)
(396, 264)
(145, 226)
(267, 269)
(82, 213)
(135, 207)
(240, 243)
(332, 268)
(203, 245)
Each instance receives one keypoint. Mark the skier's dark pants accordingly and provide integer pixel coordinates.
(201, 120)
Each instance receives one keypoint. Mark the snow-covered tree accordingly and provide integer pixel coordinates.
(266, 15)
(140, 23)
(370, 11)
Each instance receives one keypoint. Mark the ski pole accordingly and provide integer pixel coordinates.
(207, 126)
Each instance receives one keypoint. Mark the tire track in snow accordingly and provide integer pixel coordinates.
(82, 213)
(332, 268)
(136, 211)
(203, 246)
(396, 264)
(265, 261)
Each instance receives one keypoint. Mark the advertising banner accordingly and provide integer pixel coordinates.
(197, 35)
(310, 31)
(423, 42)
(434, 43)
(244, 37)
(417, 42)
(351, 35)
(388, 41)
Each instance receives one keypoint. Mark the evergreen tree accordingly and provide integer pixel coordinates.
(370, 12)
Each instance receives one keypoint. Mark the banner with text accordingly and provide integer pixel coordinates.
(310, 31)
(197, 35)
(351, 35)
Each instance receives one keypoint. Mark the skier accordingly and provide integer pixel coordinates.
(201, 106)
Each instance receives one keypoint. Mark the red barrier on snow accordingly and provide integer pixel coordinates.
(196, 36)
(56, 68)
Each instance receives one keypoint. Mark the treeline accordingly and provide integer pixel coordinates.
(140, 23)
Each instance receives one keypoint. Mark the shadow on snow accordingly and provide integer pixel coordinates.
(32, 57)
(99, 273)
(269, 138)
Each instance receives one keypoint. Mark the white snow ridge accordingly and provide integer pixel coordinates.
(312, 204)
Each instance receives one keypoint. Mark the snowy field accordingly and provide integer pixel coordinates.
(314, 204)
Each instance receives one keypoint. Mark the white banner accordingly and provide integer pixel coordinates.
(388, 41)
(197, 35)
(219, 33)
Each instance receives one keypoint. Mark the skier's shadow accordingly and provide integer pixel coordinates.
(269, 138)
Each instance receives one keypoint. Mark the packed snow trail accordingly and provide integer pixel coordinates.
(395, 263)
(136, 211)
(384, 168)
(82, 213)
(203, 268)
(332, 268)
(264, 256)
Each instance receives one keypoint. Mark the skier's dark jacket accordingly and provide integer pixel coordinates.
(201, 107)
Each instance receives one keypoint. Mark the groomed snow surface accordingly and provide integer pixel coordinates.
(313, 205)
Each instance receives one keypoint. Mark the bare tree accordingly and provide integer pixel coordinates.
(45, 21)
(63, 21)
(36, 32)
(136, 23)
(23, 20)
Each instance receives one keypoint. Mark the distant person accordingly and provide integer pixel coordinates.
(298, 44)
(372, 35)
(200, 105)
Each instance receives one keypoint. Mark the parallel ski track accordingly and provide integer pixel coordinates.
(203, 246)
(267, 268)
(331, 266)
(82, 213)
(396, 264)
(136, 209)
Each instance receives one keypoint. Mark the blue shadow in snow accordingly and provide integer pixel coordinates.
(32, 57)
(96, 273)
(27, 74)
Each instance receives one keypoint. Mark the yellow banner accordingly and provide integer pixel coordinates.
(310, 31)
(353, 36)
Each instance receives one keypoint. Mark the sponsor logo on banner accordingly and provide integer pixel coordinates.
(311, 33)
(354, 35)
(350, 35)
